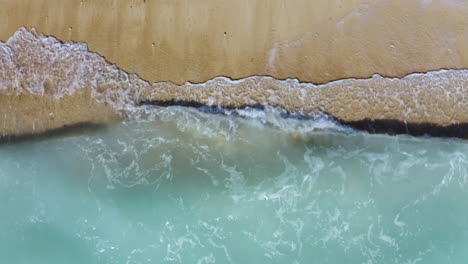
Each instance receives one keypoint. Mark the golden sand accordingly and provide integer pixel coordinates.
(27, 114)
(315, 41)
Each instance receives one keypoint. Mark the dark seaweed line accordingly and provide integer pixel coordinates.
(75, 129)
(382, 126)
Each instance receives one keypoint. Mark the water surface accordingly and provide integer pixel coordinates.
(183, 186)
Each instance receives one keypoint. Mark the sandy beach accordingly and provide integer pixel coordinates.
(174, 44)
(314, 41)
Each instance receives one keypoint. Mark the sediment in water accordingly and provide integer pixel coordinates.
(46, 84)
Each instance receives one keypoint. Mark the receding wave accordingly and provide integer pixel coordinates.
(47, 84)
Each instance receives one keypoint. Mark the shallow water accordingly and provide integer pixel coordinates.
(183, 186)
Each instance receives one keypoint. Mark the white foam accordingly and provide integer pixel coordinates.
(43, 65)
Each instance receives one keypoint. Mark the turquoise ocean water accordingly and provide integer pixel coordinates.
(190, 187)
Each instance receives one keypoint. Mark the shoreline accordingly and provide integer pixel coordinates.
(379, 126)
(46, 84)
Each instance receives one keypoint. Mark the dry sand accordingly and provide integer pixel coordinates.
(312, 40)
